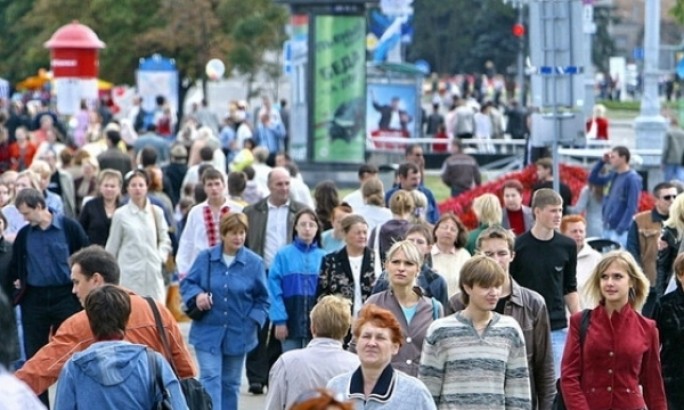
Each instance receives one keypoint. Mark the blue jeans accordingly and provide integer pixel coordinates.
(558, 338)
(673, 172)
(293, 344)
(221, 376)
(613, 235)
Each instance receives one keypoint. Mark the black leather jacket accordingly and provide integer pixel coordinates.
(666, 257)
(669, 317)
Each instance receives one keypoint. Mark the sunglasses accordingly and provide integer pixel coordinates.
(668, 197)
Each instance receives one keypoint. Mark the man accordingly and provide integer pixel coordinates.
(206, 117)
(53, 199)
(175, 171)
(193, 177)
(302, 370)
(151, 138)
(392, 118)
(414, 153)
(270, 134)
(545, 180)
(644, 234)
(622, 200)
(516, 126)
(546, 262)
(202, 227)
(270, 228)
(527, 307)
(261, 168)
(355, 198)
(460, 171)
(673, 152)
(462, 124)
(40, 262)
(91, 268)
(477, 357)
(113, 157)
(15, 394)
(433, 121)
(104, 375)
(516, 216)
(575, 227)
(409, 179)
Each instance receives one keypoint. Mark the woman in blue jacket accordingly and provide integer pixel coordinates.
(292, 282)
(228, 281)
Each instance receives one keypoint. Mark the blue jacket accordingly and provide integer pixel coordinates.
(432, 214)
(240, 301)
(292, 282)
(622, 201)
(114, 375)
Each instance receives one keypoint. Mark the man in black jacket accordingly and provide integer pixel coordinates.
(40, 264)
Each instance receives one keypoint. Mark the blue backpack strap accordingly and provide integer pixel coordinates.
(436, 309)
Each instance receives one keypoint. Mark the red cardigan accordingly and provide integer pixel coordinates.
(601, 127)
(620, 356)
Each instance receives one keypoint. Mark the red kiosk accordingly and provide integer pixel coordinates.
(74, 59)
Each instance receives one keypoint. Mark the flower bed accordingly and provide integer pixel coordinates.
(574, 176)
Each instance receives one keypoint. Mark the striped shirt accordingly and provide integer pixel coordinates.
(467, 371)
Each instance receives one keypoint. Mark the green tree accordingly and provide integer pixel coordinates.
(603, 45)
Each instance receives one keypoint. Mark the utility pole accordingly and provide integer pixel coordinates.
(650, 126)
(589, 29)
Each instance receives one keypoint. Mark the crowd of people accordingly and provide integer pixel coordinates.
(373, 300)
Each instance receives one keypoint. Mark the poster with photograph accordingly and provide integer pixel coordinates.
(391, 112)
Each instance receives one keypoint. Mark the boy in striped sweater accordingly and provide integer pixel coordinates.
(475, 359)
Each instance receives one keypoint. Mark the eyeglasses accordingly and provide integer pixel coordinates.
(668, 197)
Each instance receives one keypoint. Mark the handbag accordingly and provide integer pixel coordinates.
(558, 402)
(196, 396)
(191, 309)
(165, 402)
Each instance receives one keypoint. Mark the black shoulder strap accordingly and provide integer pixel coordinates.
(584, 325)
(155, 374)
(161, 332)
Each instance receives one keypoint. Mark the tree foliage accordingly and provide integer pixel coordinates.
(460, 36)
(189, 31)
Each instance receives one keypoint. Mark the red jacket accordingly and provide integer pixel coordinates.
(620, 356)
(601, 127)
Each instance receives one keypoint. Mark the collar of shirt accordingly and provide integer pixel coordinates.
(136, 210)
(436, 251)
(271, 206)
(56, 222)
(383, 389)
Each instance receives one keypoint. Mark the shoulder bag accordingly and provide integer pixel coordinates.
(196, 396)
(158, 383)
(558, 402)
(191, 308)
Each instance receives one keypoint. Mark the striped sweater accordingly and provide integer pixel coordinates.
(466, 371)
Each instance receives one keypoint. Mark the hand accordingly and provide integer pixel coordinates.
(661, 244)
(606, 156)
(17, 284)
(281, 332)
(204, 301)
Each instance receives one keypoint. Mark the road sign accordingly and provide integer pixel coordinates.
(560, 70)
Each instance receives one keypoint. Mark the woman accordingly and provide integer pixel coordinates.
(375, 384)
(96, 215)
(292, 282)
(332, 240)
(22, 150)
(607, 370)
(448, 252)
(350, 271)
(373, 209)
(327, 198)
(402, 206)
(590, 204)
(672, 234)
(139, 240)
(228, 331)
(487, 208)
(321, 399)
(669, 317)
(85, 186)
(597, 125)
(15, 220)
(407, 302)
(6, 194)
(5, 257)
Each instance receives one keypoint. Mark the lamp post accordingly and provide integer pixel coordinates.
(519, 32)
(650, 126)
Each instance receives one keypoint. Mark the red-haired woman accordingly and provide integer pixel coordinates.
(378, 336)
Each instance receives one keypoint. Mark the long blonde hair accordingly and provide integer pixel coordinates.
(640, 283)
(487, 208)
(676, 218)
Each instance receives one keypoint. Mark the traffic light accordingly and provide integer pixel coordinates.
(518, 30)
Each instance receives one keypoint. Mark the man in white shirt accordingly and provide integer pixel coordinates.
(355, 198)
(270, 228)
(202, 228)
(302, 370)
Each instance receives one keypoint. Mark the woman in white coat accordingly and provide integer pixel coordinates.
(139, 240)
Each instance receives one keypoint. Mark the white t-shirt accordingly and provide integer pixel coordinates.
(228, 259)
(355, 263)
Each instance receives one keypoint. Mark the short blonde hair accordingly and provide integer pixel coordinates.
(41, 168)
(331, 317)
(401, 202)
(487, 208)
(640, 283)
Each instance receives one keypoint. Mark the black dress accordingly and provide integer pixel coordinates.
(95, 221)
